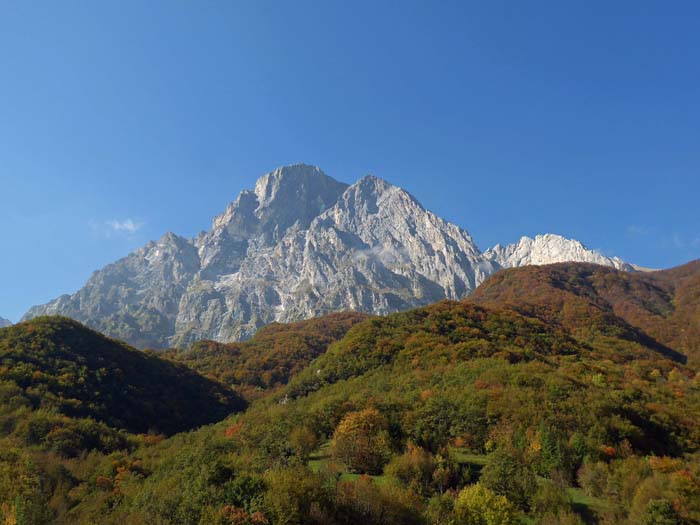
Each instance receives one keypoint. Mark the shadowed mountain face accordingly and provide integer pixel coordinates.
(63, 366)
(299, 245)
(5, 322)
(661, 307)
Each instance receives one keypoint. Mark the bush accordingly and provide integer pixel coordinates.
(593, 477)
(440, 510)
(661, 512)
(414, 468)
(369, 504)
(293, 495)
(303, 441)
(550, 499)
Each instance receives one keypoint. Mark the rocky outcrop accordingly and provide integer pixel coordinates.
(549, 249)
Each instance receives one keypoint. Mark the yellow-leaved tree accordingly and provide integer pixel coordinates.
(478, 505)
(361, 441)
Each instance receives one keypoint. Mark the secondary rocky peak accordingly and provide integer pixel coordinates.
(548, 249)
(171, 240)
(374, 188)
(371, 199)
(5, 322)
(372, 183)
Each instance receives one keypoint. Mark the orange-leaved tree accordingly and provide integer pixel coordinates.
(361, 441)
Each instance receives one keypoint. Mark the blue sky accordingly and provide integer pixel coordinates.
(120, 121)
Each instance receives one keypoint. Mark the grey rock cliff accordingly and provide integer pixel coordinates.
(299, 245)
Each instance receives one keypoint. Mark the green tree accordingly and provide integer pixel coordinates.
(413, 469)
(661, 512)
(478, 505)
(508, 474)
(292, 495)
(304, 441)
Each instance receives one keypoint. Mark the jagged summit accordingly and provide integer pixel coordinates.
(295, 193)
(372, 181)
(547, 249)
(299, 244)
(281, 198)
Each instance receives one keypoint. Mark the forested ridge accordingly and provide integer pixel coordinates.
(271, 357)
(560, 394)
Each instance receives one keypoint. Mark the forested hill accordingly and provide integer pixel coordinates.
(275, 353)
(443, 412)
(59, 365)
(543, 399)
(661, 306)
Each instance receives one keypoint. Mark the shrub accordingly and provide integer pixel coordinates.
(303, 441)
(414, 468)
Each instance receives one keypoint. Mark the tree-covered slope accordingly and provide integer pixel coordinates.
(556, 411)
(59, 365)
(662, 305)
(274, 354)
(449, 332)
(430, 402)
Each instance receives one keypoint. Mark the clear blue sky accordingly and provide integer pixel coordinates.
(122, 120)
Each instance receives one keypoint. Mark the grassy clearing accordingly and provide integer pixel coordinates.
(322, 460)
(463, 455)
(588, 507)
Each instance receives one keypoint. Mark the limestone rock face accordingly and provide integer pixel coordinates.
(372, 248)
(549, 249)
(136, 298)
(300, 244)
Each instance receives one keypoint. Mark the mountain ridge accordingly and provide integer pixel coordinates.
(299, 245)
(662, 305)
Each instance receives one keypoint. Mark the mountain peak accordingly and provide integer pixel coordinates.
(5, 322)
(297, 245)
(285, 196)
(373, 181)
(289, 181)
(371, 193)
(550, 248)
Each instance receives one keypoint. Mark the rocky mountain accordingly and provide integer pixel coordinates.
(300, 244)
(5, 322)
(549, 249)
